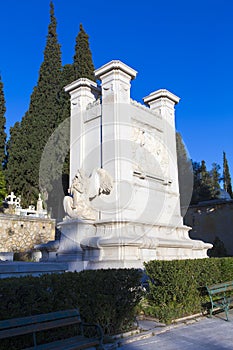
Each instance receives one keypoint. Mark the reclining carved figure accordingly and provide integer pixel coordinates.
(83, 190)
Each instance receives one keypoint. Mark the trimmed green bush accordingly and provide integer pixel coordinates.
(111, 297)
(107, 297)
(177, 287)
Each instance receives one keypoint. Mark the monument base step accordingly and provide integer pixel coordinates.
(19, 268)
(114, 264)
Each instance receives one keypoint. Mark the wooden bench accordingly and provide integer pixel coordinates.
(220, 297)
(35, 324)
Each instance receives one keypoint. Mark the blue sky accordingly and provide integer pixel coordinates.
(183, 46)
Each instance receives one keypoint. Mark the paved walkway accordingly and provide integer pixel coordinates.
(201, 334)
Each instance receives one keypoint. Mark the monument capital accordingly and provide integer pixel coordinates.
(158, 97)
(115, 79)
(113, 67)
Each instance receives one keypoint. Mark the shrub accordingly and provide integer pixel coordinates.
(108, 297)
(177, 287)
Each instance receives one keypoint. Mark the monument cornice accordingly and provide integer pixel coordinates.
(117, 66)
(162, 93)
(80, 83)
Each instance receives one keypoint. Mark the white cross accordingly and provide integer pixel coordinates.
(10, 198)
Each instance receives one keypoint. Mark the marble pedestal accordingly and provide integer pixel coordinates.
(107, 244)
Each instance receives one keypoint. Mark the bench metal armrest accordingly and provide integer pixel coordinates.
(98, 330)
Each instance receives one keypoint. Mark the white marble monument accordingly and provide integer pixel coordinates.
(124, 206)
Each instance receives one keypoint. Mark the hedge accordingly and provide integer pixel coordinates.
(177, 287)
(111, 297)
(107, 297)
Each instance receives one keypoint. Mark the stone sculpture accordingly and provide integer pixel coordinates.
(83, 190)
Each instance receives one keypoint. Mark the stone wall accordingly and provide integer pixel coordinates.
(21, 234)
(211, 220)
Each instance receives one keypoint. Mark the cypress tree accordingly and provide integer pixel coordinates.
(226, 176)
(42, 118)
(219, 250)
(16, 171)
(204, 172)
(185, 173)
(13, 161)
(49, 106)
(45, 107)
(215, 178)
(205, 183)
(196, 182)
(67, 78)
(201, 183)
(2, 126)
(83, 64)
(3, 192)
(82, 67)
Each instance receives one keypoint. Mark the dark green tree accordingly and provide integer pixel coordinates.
(204, 173)
(226, 176)
(82, 67)
(42, 118)
(202, 183)
(205, 183)
(2, 126)
(28, 172)
(83, 63)
(215, 179)
(185, 173)
(218, 250)
(16, 170)
(3, 191)
(67, 78)
(196, 182)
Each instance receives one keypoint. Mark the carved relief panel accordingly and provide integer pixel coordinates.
(149, 153)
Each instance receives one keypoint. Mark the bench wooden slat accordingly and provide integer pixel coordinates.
(37, 327)
(220, 287)
(37, 323)
(222, 284)
(77, 342)
(217, 291)
(14, 322)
